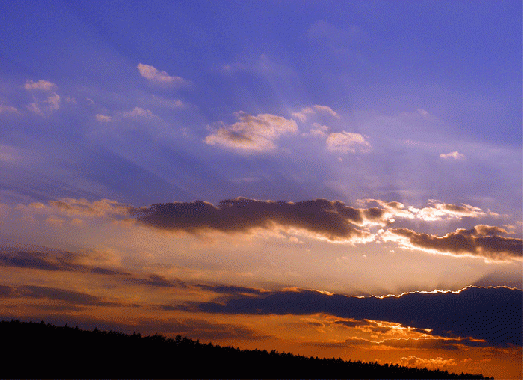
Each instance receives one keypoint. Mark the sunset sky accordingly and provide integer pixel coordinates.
(327, 178)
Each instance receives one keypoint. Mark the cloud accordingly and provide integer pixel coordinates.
(41, 85)
(329, 219)
(252, 134)
(346, 142)
(103, 118)
(160, 77)
(98, 263)
(316, 109)
(484, 241)
(452, 156)
(414, 361)
(158, 281)
(8, 109)
(461, 314)
(158, 101)
(45, 106)
(317, 130)
(434, 212)
(438, 211)
(139, 112)
(9, 154)
(56, 294)
(83, 207)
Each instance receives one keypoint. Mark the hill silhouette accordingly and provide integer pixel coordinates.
(49, 351)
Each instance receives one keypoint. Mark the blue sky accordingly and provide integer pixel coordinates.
(388, 131)
(446, 73)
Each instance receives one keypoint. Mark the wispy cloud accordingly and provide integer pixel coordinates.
(346, 142)
(9, 154)
(160, 77)
(452, 156)
(252, 134)
(7, 109)
(306, 112)
(139, 112)
(103, 118)
(44, 103)
(435, 211)
(45, 106)
(42, 85)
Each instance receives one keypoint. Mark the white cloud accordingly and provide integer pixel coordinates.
(9, 154)
(168, 103)
(103, 118)
(43, 85)
(435, 211)
(44, 107)
(452, 156)
(317, 130)
(7, 109)
(326, 110)
(346, 142)
(54, 101)
(161, 77)
(139, 112)
(303, 114)
(252, 133)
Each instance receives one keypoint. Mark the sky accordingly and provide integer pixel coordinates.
(336, 179)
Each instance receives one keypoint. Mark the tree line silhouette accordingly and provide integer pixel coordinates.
(40, 350)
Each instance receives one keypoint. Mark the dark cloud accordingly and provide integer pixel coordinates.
(6, 291)
(355, 323)
(332, 219)
(231, 290)
(38, 260)
(156, 281)
(406, 343)
(56, 294)
(492, 314)
(57, 260)
(434, 344)
(480, 240)
(502, 278)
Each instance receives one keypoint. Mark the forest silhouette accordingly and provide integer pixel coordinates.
(49, 351)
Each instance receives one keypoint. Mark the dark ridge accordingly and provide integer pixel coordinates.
(48, 351)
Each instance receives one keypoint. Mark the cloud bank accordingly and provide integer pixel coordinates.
(330, 219)
(489, 314)
(480, 240)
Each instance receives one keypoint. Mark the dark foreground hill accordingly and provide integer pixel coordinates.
(39, 350)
